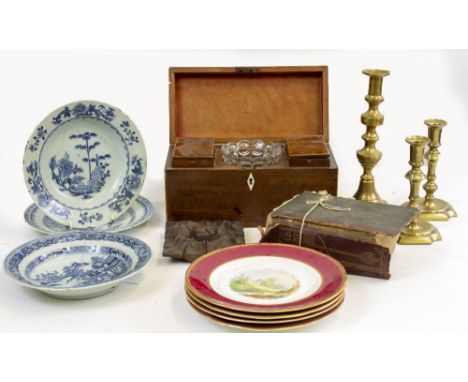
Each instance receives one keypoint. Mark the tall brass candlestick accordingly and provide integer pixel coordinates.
(417, 232)
(432, 208)
(369, 156)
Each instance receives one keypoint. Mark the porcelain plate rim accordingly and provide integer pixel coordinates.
(43, 229)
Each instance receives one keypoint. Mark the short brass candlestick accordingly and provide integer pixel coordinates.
(432, 208)
(417, 231)
(369, 156)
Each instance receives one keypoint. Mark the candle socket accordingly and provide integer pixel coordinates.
(433, 209)
(369, 156)
(417, 231)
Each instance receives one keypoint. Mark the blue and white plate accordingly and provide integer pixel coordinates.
(138, 213)
(84, 164)
(77, 264)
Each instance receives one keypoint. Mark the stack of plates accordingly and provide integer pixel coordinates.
(84, 166)
(265, 286)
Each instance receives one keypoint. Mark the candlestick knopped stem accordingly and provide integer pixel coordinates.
(432, 208)
(369, 156)
(417, 232)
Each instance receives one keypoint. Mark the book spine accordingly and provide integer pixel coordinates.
(358, 258)
(378, 239)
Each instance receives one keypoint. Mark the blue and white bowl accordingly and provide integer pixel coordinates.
(77, 264)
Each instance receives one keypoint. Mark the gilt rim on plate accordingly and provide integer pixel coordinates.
(254, 320)
(268, 328)
(197, 277)
(264, 316)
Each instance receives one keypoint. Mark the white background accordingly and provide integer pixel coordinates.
(427, 291)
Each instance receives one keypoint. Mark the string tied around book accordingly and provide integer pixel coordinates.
(314, 204)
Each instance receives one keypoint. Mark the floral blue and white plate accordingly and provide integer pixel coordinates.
(138, 213)
(84, 164)
(77, 264)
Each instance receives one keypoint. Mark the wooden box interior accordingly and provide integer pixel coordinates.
(246, 103)
(230, 104)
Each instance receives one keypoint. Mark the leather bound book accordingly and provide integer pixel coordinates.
(358, 258)
(361, 235)
(372, 223)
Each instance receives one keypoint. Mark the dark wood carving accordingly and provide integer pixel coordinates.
(188, 240)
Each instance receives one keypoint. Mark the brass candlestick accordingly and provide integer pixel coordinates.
(417, 232)
(369, 156)
(432, 208)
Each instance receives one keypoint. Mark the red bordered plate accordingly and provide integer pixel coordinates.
(224, 316)
(268, 327)
(263, 316)
(265, 278)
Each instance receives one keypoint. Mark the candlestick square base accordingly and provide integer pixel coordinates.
(437, 210)
(419, 232)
